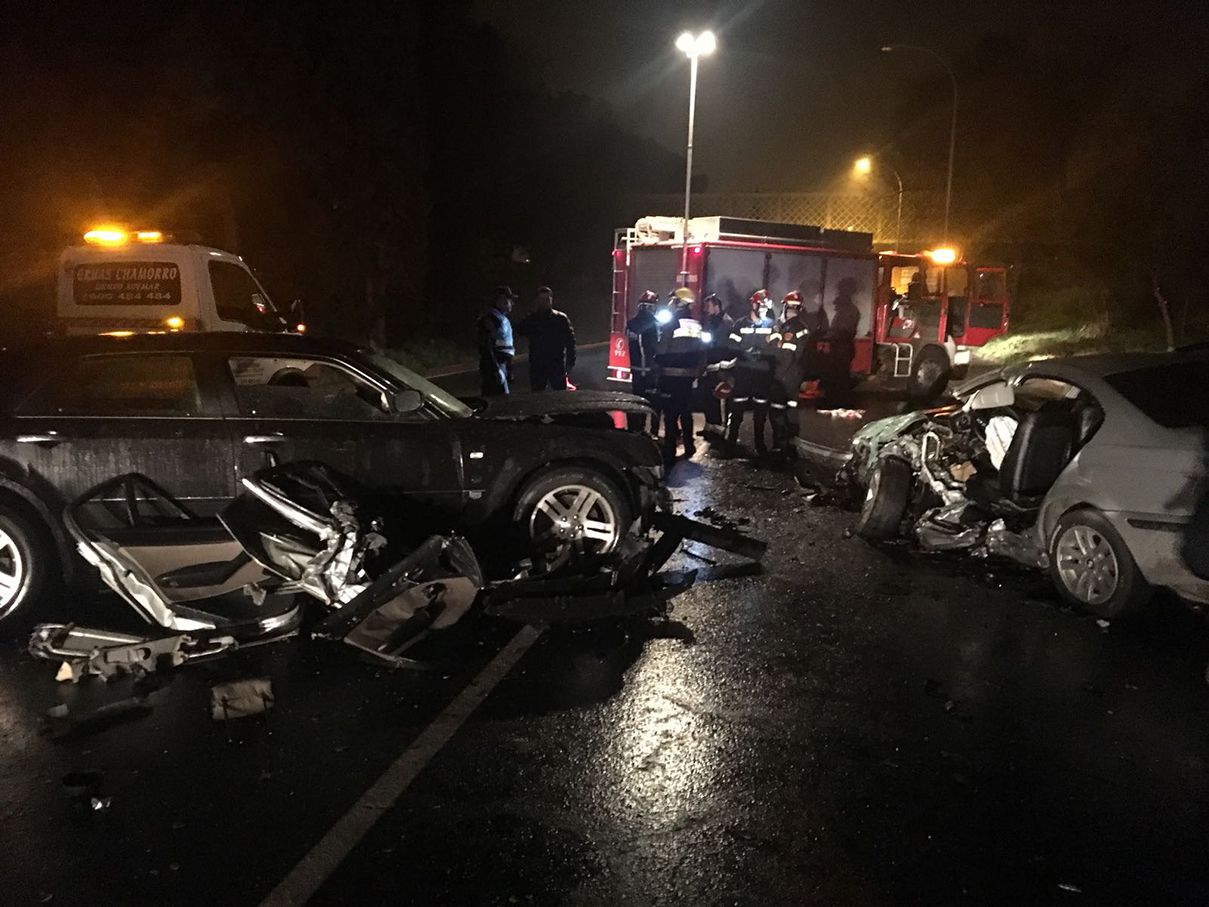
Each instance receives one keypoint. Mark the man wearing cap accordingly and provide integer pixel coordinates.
(551, 343)
(496, 347)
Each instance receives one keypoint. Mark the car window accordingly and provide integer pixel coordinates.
(437, 397)
(129, 385)
(237, 296)
(1172, 395)
(277, 387)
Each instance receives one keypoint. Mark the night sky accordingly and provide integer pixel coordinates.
(796, 88)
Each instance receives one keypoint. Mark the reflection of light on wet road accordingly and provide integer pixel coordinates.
(662, 759)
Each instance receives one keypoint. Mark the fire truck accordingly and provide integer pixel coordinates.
(919, 313)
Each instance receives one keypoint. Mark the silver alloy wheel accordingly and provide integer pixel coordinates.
(1087, 565)
(574, 517)
(12, 572)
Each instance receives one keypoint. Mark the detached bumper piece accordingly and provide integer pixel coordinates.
(626, 583)
(105, 654)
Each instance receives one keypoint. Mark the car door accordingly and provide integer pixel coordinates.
(287, 407)
(99, 416)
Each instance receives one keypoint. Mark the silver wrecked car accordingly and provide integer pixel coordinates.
(1091, 467)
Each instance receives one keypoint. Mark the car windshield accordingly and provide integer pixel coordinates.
(1156, 391)
(446, 402)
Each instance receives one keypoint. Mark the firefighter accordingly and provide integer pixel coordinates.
(642, 335)
(752, 371)
(681, 359)
(841, 337)
(717, 328)
(788, 340)
(496, 347)
(551, 343)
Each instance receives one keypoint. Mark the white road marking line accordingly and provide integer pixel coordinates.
(322, 860)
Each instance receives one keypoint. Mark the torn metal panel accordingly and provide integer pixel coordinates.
(430, 589)
(103, 653)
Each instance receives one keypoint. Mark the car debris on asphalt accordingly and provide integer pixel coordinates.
(212, 589)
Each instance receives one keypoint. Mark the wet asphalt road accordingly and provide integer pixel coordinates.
(855, 726)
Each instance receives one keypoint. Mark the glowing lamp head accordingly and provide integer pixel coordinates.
(696, 45)
(105, 236)
(943, 256)
(862, 165)
(664, 315)
(707, 337)
(174, 322)
(149, 236)
(300, 328)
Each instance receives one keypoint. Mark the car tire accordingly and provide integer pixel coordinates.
(1093, 569)
(27, 566)
(886, 494)
(548, 524)
(930, 374)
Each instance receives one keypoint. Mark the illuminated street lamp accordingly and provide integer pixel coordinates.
(863, 166)
(693, 46)
(889, 48)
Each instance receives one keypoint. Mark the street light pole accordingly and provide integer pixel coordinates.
(694, 47)
(688, 166)
(862, 166)
(953, 120)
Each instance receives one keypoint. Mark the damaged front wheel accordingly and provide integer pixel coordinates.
(886, 494)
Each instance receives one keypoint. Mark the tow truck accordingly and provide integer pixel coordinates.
(121, 281)
(920, 313)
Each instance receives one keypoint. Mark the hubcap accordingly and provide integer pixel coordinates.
(574, 518)
(12, 572)
(1087, 564)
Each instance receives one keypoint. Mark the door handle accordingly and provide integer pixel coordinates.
(268, 440)
(51, 438)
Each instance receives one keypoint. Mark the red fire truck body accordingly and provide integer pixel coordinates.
(919, 313)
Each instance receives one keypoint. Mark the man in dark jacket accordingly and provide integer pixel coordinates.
(496, 348)
(752, 371)
(681, 357)
(551, 343)
(642, 336)
(717, 328)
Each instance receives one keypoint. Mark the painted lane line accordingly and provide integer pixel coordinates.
(322, 860)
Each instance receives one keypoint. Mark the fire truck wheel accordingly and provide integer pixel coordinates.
(931, 373)
(886, 494)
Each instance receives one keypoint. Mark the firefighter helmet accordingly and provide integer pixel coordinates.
(650, 297)
(760, 297)
(792, 298)
(684, 296)
(713, 297)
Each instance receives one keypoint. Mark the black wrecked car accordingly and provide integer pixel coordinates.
(198, 413)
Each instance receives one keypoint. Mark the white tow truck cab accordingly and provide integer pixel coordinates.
(121, 282)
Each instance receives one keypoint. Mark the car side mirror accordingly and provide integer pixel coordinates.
(407, 401)
(993, 396)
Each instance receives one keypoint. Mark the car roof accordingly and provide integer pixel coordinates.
(1100, 365)
(186, 341)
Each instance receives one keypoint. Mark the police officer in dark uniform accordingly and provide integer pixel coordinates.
(752, 371)
(642, 335)
(551, 343)
(496, 347)
(681, 359)
(788, 340)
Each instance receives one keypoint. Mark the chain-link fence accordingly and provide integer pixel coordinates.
(921, 222)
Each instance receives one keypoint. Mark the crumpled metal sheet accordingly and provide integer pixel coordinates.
(102, 653)
(430, 589)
